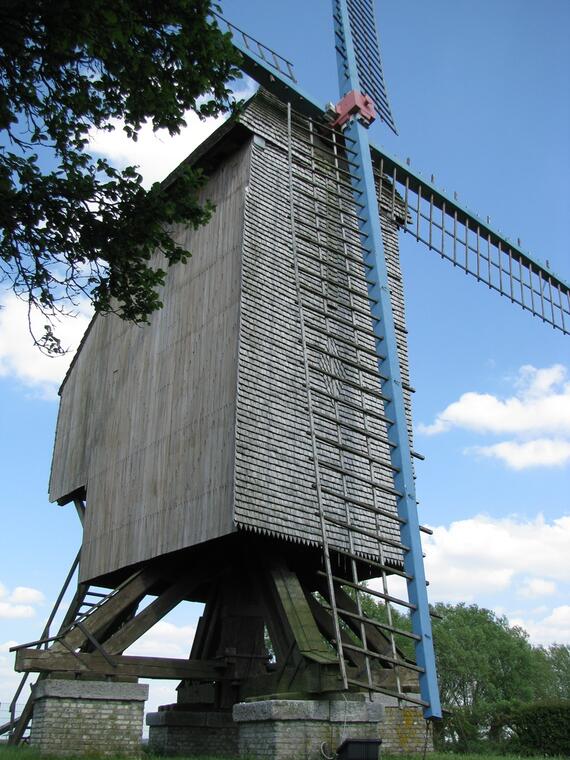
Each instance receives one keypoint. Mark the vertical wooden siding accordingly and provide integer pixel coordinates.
(147, 414)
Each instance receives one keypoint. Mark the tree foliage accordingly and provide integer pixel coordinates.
(480, 658)
(556, 663)
(488, 671)
(72, 225)
(542, 727)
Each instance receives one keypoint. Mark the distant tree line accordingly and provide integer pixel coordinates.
(499, 691)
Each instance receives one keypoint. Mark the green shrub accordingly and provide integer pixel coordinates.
(543, 727)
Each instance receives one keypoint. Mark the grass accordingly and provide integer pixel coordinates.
(28, 753)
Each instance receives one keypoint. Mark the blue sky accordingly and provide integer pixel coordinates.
(481, 98)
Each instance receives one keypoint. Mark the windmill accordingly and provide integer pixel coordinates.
(330, 188)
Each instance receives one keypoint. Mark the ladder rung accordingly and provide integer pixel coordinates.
(318, 147)
(341, 320)
(341, 339)
(338, 132)
(363, 532)
(350, 383)
(346, 196)
(300, 121)
(331, 299)
(385, 658)
(357, 452)
(356, 259)
(350, 362)
(354, 428)
(335, 155)
(335, 207)
(318, 127)
(319, 244)
(299, 159)
(378, 624)
(360, 478)
(332, 235)
(366, 590)
(337, 267)
(379, 565)
(364, 505)
(337, 284)
(389, 692)
(355, 407)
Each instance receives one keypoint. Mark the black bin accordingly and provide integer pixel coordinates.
(359, 749)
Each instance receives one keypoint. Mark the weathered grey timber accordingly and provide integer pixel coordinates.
(198, 425)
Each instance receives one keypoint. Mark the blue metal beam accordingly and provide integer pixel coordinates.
(389, 367)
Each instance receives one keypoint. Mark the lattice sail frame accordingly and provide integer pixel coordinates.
(491, 257)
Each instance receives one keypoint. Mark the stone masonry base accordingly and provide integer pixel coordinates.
(288, 729)
(297, 729)
(181, 732)
(88, 717)
(403, 729)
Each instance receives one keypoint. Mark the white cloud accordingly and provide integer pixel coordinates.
(20, 359)
(157, 153)
(19, 603)
(9, 679)
(9, 611)
(540, 405)
(492, 561)
(482, 555)
(165, 640)
(543, 452)
(551, 629)
(537, 587)
(26, 595)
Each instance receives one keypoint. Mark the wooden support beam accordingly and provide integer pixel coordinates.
(299, 616)
(325, 623)
(141, 623)
(376, 640)
(22, 722)
(102, 618)
(47, 661)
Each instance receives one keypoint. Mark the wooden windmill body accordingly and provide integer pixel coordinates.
(198, 427)
(251, 448)
(219, 453)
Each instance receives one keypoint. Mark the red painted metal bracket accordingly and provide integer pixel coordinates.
(354, 103)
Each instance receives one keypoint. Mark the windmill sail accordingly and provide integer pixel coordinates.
(432, 217)
(472, 245)
(358, 54)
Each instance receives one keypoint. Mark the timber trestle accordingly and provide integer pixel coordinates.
(266, 629)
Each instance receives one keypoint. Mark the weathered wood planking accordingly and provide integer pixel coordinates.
(147, 414)
(275, 471)
(187, 428)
